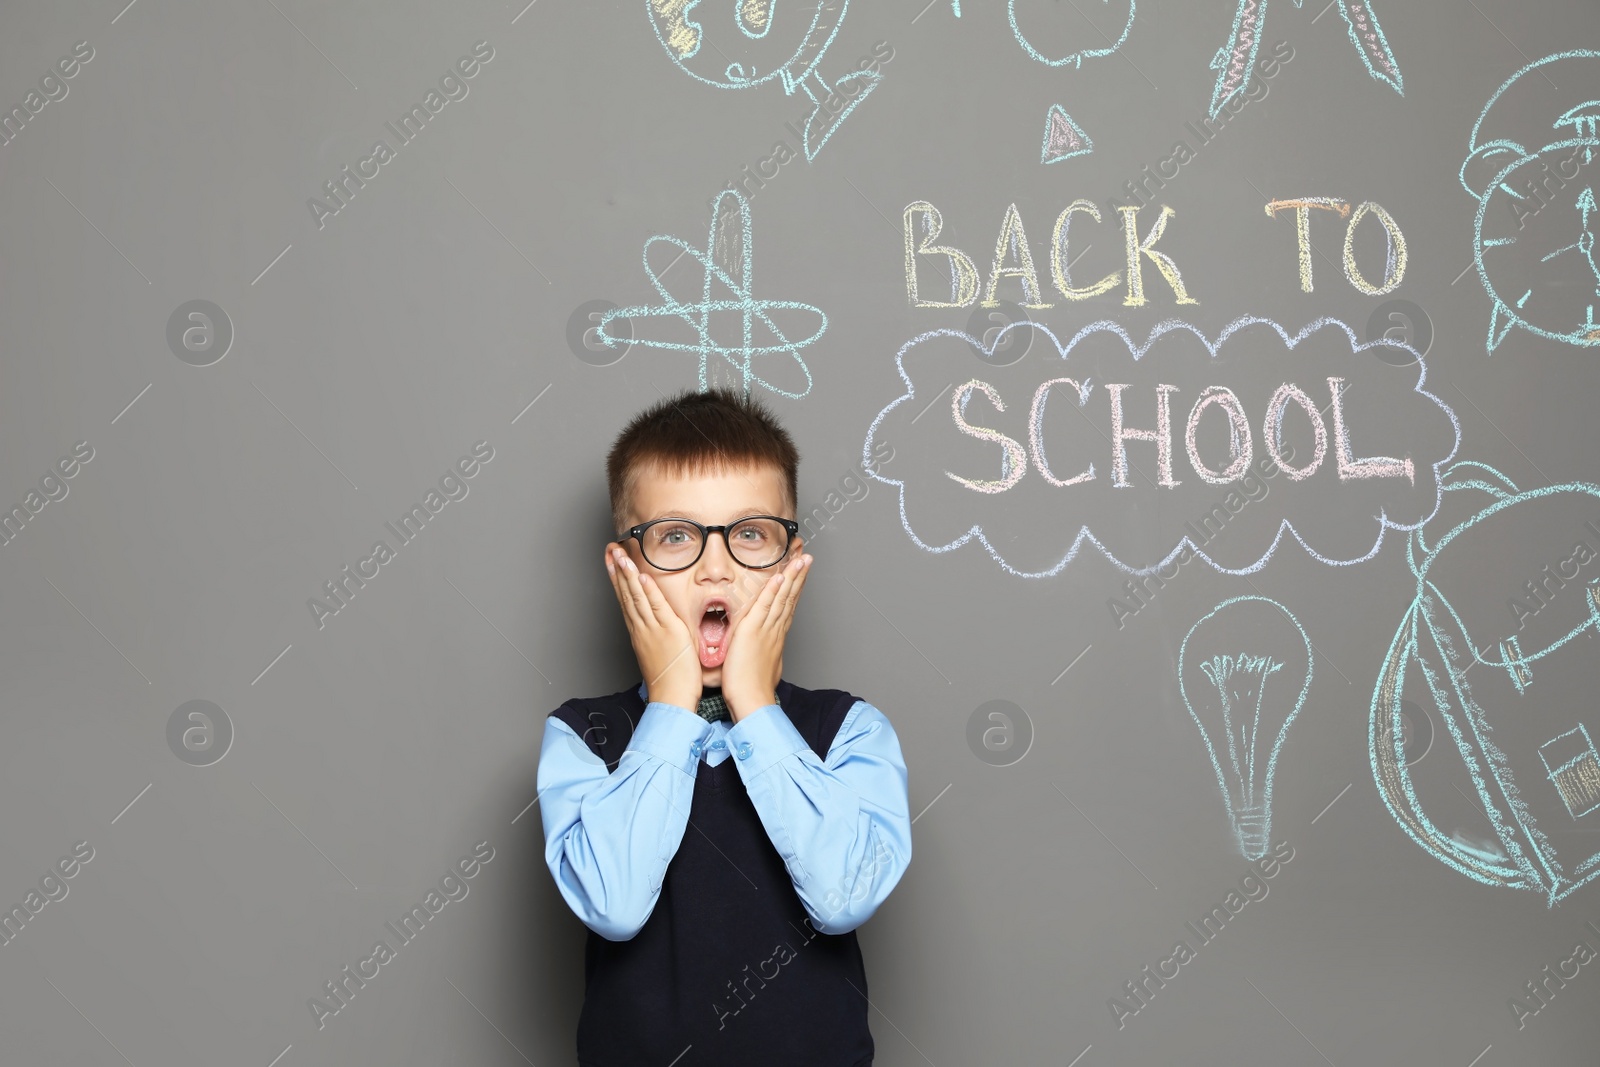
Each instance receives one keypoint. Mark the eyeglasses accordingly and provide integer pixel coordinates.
(756, 541)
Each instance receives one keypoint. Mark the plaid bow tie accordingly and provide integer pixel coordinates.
(712, 707)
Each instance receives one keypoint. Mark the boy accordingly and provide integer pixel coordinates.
(721, 857)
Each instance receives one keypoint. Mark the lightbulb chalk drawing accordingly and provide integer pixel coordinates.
(735, 291)
(1238, 669)
(740, 44)
(1517, 720)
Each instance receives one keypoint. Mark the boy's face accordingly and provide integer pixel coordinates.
(711, 499)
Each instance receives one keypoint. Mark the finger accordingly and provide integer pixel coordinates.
(783, 610)
(661, 612)
(640, 586)
(763, 609)
(759, 604)
(791, 596)
(747, 589)
(619, 585)
(634, 603)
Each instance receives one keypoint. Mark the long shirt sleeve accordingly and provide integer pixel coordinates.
(841, 825)
(610, 836)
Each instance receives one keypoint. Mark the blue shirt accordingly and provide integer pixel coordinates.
(842, 825)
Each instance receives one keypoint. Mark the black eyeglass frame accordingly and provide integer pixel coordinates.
(790, 526)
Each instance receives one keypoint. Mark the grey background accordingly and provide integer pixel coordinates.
(430, 312)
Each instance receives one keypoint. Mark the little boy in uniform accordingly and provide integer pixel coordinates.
(720, 831)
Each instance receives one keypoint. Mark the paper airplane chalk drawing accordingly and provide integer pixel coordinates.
(726, 296)
(1063, 138)
(1244, 670)
(740, 45)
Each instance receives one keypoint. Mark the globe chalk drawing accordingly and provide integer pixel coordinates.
(1244, 670)
(744, 44)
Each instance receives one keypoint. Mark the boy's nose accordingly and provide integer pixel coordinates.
(716, 554)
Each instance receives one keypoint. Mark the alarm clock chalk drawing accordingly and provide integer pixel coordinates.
(1534, 233)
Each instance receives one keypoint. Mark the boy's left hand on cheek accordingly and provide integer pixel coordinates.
(754, 662)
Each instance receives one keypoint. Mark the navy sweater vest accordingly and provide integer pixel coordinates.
(729, 964)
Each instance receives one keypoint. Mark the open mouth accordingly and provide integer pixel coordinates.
(714, 627)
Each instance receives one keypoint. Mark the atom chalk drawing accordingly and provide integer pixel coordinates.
(1534, 231)
(748, 43)
(1244, 671)
(723, 293)
(1513, 723)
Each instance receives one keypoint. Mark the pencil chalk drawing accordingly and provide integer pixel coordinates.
(1235, 59)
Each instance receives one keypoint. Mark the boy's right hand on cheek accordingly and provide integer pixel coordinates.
(661, 642)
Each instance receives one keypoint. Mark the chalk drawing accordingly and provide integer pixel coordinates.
(1234, 60)
(1394, 267)
(1410, 482)
(1573, 765)
(1534, 232)
(1063, 138)
(1074, 59)
(1013, 258)
(735, 289)
(701, 44)
(1302, 219)
(1499, 717)
(1243, 674)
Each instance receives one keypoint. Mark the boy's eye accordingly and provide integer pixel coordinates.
(673, 534)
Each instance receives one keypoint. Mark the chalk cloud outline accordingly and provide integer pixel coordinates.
(1184, 544)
